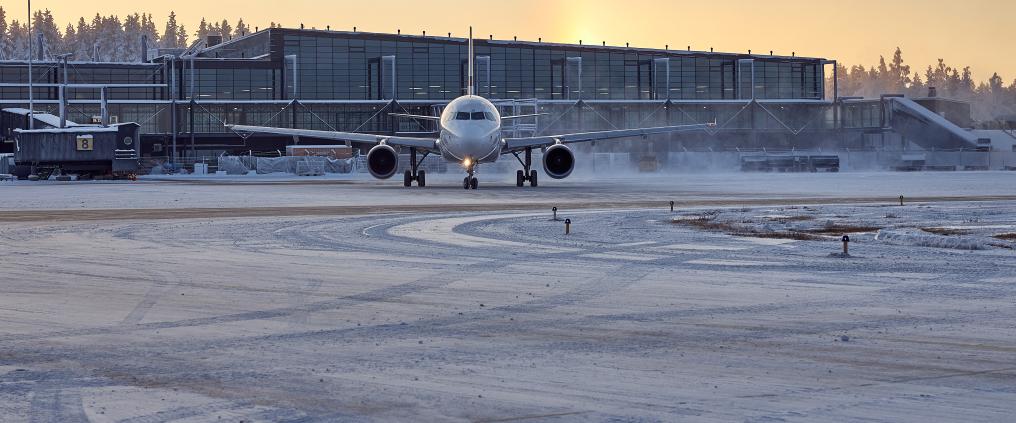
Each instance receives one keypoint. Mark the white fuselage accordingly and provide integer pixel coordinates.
(470, 131)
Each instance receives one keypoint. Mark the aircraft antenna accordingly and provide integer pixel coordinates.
(470, 90)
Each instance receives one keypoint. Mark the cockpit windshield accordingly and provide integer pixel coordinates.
(474, 116)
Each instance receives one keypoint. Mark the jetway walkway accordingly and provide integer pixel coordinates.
(926, 128)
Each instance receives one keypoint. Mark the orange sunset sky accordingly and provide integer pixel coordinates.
(977, 33)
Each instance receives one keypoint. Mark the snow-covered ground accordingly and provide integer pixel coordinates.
(725, 310)
(346, 190)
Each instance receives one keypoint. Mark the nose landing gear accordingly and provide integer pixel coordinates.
(470, 181)
(420, 176)
(526, 174)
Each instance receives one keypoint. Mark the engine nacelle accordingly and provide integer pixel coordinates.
(558, 161)
(382, 161)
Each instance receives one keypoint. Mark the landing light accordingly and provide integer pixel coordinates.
(467, 162)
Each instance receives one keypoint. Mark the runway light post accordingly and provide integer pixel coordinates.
(567, 226)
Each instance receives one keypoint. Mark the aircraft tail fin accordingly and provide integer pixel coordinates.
(471, 89)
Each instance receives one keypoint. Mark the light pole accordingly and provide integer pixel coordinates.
(31, 96)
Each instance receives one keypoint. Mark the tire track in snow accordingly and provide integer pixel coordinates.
(55, 404)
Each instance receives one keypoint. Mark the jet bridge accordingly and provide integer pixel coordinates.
(925, 127)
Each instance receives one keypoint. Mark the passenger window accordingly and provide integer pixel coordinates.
(479, 116)
(462, 116)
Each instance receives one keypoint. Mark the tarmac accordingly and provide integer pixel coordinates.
(345, 299)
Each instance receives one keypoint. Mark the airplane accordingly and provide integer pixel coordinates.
(469, 134)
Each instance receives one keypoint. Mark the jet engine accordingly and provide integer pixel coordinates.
(382, 161)
(558, 161)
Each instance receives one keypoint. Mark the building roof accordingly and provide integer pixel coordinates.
(80, 129)
(490, 42)
(71, 130)
(46, 118)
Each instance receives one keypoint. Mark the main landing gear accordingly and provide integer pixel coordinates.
(420, 176)
(527, 173)
(470, 181)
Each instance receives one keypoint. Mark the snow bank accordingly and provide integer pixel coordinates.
(922, 239)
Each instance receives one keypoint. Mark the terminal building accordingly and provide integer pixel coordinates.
(351, 81)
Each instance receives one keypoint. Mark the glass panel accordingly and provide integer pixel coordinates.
(479, 116)
(462, 116)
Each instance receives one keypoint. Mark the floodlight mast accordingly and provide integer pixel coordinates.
(31, 99)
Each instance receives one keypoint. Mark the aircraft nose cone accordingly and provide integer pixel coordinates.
(474, 146)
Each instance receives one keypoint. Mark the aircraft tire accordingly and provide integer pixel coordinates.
(532, 179)
(421, 178)
(520, 178)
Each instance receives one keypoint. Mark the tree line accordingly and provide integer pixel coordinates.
(112, 39)
(990, 100)
(105, 38)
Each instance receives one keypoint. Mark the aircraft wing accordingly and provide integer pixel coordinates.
(515, 144)
(421, 117)
(523, 116)
(422, 143)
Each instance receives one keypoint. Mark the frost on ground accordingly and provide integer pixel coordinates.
(982, 228)
(500, 316)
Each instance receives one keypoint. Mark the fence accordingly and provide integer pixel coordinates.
(243, 165)
(682, 161)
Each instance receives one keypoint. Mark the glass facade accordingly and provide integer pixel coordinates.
(285, 64)
(352, 66)
(350, 81)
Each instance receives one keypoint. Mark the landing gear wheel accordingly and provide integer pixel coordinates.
(465, 183)
(532, 178)
(407, 179)
(473, 183)
(520, 178)
(421, 179)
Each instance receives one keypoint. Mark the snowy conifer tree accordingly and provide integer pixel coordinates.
(81, 46)
(181, 37)
(148, 28)
(241, 29)
(225, 30)
(171, 36)
(203, 29)
(17, 36)
(130, 51)
(4, 51)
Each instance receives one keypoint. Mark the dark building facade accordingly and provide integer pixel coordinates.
(350, 81)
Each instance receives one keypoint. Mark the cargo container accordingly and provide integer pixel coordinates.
(83, 150)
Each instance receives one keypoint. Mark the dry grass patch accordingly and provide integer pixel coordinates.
(946, 231)
(710, 224)
(843, 229)
(1006, 237)
(704, 223)
(799, 236)
(785, 219)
